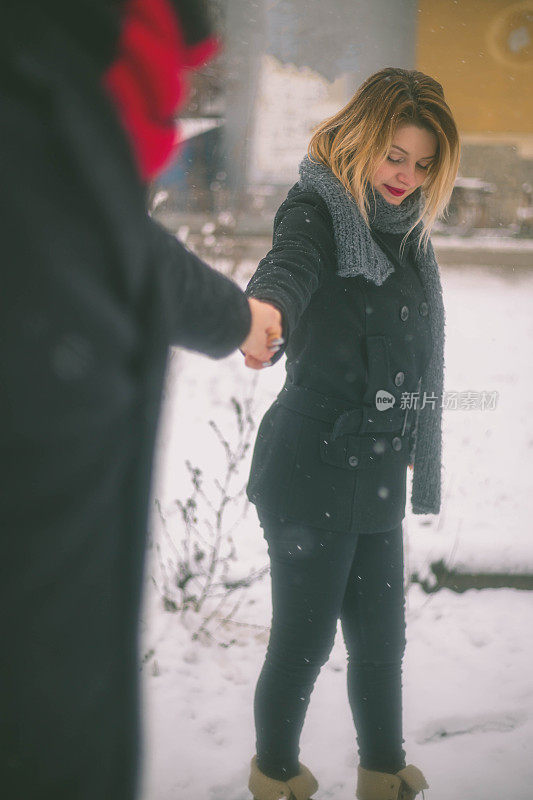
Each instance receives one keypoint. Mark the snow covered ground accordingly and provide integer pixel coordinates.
(468, 686)
(489, 240)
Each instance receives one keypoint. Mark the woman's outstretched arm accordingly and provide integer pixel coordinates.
(294, 268)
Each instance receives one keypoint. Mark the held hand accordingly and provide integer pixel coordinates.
(264, 338)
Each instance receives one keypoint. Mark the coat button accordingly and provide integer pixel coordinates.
(399, 378)
(404, 313)
(423, 308)
(396, 443)
(353, 461)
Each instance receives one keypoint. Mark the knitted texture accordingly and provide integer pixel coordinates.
(358, 254)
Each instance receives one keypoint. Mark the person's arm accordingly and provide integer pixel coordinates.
(293, 269)
(203, 310)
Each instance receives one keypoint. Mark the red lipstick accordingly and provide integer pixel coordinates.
(395, 192)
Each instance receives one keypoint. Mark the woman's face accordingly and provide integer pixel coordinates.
(405, 167)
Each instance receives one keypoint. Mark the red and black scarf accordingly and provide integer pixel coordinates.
(159, 41)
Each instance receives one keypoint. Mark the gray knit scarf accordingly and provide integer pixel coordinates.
(358, 254)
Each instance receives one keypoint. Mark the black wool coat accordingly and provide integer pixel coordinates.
(93, 293)
(331, 451)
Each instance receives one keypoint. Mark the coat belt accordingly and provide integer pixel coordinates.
(344, 417)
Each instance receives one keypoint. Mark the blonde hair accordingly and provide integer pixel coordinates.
(355, 141)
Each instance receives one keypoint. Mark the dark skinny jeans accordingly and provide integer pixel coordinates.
(318, 577)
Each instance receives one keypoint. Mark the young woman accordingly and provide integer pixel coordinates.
(353, 275)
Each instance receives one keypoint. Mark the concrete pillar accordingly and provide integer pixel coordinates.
(339, 41)
(245, 41)
(343, 36)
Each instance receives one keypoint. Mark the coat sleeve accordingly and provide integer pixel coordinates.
(203, 310)
(293, 269)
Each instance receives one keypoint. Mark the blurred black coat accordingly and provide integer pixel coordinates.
(93, 292)
(327, 454)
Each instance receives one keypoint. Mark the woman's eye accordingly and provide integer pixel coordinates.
(399, 161)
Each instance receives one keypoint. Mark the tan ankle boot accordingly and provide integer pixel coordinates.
(403, 785)
(301, 787)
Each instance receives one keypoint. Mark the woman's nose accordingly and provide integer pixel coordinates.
(407, 177)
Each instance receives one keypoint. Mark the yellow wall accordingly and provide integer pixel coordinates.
(482, 53)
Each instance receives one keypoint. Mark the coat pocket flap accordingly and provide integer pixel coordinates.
(340, 451)
(352, 452)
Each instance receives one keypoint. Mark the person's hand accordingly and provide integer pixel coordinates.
(264, 338)
(411, 467)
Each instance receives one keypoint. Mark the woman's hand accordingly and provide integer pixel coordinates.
(265, 337)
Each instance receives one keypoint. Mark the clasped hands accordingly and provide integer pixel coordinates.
(264, 338)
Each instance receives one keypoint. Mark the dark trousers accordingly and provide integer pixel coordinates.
(318, 577)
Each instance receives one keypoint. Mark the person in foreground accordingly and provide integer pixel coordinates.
(93, 293)
(354, 276)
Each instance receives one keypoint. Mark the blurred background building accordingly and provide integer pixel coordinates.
(288, 64)
(482, 53)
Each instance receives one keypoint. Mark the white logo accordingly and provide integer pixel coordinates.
(384, 400)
